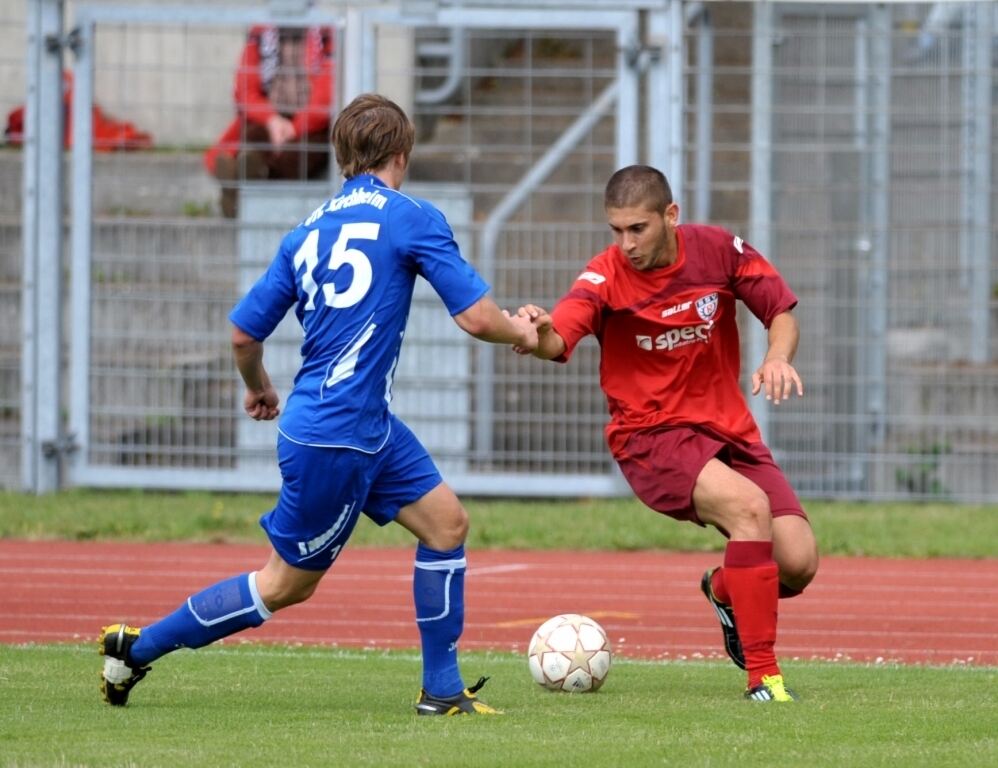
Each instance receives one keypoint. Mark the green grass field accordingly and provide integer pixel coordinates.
(843, 528)
(264, 706)
(254, 705)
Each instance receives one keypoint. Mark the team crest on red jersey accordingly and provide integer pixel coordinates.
(707, 306)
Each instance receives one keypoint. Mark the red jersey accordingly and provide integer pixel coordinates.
(668, 338)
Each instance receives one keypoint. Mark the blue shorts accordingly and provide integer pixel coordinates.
(324, 490)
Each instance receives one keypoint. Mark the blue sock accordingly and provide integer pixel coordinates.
(438, 590)
(216, 612)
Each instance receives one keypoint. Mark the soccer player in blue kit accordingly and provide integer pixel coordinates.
(348, 270)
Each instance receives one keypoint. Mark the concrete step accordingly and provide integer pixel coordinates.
(177, 251)
(132, 184)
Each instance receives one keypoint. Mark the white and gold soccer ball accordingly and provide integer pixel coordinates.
(570, 652)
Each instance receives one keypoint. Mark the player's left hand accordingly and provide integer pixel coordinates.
(778, 378)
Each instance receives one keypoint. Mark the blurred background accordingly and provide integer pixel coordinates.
(852, 143)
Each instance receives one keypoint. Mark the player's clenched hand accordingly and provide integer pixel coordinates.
(778, 378)
(538, 316)
(528, 333)
(539, 319)
(261, 406)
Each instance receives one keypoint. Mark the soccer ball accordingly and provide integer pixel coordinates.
(570, 653)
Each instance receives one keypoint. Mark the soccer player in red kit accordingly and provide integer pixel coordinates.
(661, 303)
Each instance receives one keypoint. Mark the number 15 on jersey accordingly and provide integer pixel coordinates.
(342, 253)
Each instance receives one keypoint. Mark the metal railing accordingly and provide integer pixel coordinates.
(851, 143)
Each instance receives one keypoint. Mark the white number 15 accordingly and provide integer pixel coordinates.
(308, 254)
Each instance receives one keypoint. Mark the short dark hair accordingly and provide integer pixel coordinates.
(369, 132)
(638, 185)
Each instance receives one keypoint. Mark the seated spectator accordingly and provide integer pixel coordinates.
(283, 95)
(109, 133)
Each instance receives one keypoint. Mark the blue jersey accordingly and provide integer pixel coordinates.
(349, 271)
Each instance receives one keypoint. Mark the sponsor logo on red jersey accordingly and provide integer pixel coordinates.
(676, 337)
(678, 308)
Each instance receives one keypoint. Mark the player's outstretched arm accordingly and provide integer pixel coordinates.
(484, 320)
(549, 344)
(776, 375)
(260, 400)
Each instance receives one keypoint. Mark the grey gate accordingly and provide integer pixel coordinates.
(153, 402)
(153, 397)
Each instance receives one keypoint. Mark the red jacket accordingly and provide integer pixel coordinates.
(109, 134)
(252, 86)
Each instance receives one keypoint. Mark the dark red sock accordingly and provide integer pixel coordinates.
(721, 591)
(752, 582)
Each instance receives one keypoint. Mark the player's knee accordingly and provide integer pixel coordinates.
(796, 572)
(792, 583)
(751, 516)
(453, 529)
(277, 592)
(446, 528)
(284, 595)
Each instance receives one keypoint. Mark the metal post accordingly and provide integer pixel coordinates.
(29, 219)
(704, 113)
(977, 105)
(628, 79)
(81, 237)
(875, 307)
(859, 435)
(664, 94)
(761, 202)
(41, 309)
(352, 75)
(360, 54)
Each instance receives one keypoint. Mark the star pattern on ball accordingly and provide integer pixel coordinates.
(541, 646)
(580, 658)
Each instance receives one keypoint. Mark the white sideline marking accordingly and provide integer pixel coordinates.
(509, 568)
(487, 570)
(334, 652)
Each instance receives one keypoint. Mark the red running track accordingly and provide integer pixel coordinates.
(857, 609)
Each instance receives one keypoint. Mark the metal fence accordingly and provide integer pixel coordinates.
(851, 143)
(12, 69)
(878, 205)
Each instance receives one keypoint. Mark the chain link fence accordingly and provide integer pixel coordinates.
(850, 142)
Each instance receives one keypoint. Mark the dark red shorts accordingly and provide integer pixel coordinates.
(662, 467)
